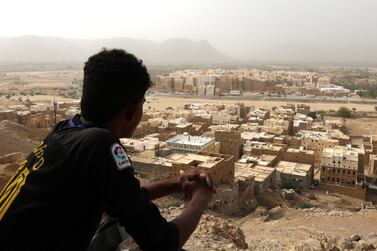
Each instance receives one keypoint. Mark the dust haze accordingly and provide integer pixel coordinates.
(293, 31)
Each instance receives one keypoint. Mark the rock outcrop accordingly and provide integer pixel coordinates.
(355, 242)
(212, 233)
(8, 165)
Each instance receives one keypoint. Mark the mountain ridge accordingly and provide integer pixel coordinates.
(39, 49)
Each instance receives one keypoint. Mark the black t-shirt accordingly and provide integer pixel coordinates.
(59, 193)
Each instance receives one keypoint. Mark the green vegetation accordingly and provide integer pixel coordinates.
(307, 205)
(344, 112)
(288, 183)
(361, 80)
(369, 91)
(313, 115)
(348, 77)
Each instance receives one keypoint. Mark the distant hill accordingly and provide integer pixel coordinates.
(37, 49)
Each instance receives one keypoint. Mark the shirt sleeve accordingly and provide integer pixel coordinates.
(126, 200)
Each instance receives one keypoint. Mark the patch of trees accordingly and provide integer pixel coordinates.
(344, 112)
(370, 91)
(289, 183)
(313, 115)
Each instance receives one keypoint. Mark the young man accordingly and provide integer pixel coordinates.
(80, 171)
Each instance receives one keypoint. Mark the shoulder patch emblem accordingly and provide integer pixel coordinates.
(121, 159)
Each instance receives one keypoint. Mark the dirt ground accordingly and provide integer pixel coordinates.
(361, 126)
(31, 80)
(358, 126)
(24, 81)
(296, 226)
(45, 99)
(333, 216)
(161, 102)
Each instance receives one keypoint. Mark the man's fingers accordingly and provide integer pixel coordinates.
(206, 177)
(195, 175)
(210, 182)
(213, 188)
(183, 178)
(199, 175)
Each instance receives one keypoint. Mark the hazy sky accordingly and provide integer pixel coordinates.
(241, 28)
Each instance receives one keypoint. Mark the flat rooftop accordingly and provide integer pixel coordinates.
(293, 168)
(226, 127)
(336, 133)
(255, 135)
(262, 160)
(268, 146)
(333, 121)
(190, 140)
(345, 152)
(313, 134)
(183, 125)
(203, 161)
(294, 150)
(260, 173)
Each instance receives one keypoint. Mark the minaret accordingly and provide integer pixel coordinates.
(55, 105)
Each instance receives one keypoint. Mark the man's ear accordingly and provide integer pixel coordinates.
(129, 111)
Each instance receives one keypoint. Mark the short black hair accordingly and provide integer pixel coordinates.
(112, 79)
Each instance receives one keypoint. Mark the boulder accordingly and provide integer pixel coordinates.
(308, 245)
(348, 244)
(355, 237)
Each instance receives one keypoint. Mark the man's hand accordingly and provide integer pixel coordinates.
(186, 183)
(188, 179)
(192, 179)
(201, 196)
(198, 188)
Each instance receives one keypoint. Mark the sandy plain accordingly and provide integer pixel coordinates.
(161, 102)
